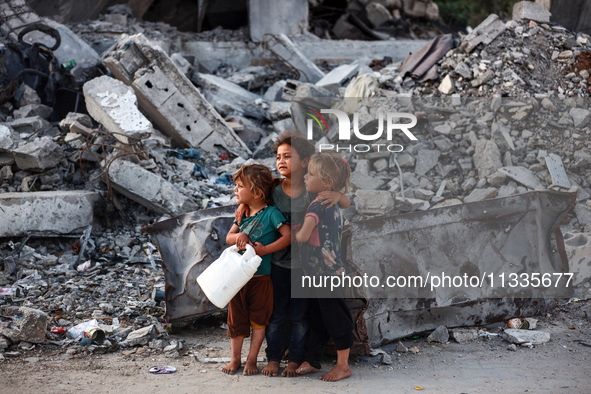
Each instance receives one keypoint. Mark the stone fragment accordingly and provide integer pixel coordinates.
(481, 194)
(114, 104)
(487, 158)
(447, 85)
(484, 33)
(462, 335)
(38, 155)
(400, 348)
(8, 139)
(440, 335)
(530, 10)
(30, 110)
(29, 327)
(523, 176)
(72, 117)
(141, 337)
(373, 202)
(338, 75)
(426, 160)
(30, 125)
(54, 212)
(281, 45)
(148, 189)
(377, 14)
(483, 78)
(580, 117)
(518, 336)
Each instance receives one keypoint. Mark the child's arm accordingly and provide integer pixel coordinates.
(331, 198)
(236, 238)
(305, 232)
(240, 212)
(282, 242)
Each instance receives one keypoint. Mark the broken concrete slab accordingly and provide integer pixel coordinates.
(287, 17)
(530, 10)
(63, 212)
(290, 53)
(229, 98)
(29, 110)
(426, 160)
(517, 336)
(481, 194)
(373, 202)
(8, 139)
(30, 125)
(462, 335)
(338, 75)
(484, 33)
(141, 337)
(38, 155)
(114, 105)
(523, 176)
(168, 97)
(440, 335)
(148, 189)
(29, 327)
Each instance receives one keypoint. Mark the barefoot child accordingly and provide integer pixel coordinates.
(265, 229)
(293, 151)
(320, 252)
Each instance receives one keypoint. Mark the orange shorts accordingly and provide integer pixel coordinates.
(252, 306)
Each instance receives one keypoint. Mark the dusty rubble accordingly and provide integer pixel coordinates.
(498, 109)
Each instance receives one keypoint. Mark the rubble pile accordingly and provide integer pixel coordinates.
(502, 111)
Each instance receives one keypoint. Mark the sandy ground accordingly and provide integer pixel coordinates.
(480, 366)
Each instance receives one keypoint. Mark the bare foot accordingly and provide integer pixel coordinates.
(337, 373)
(231, 367)
(272, 369)
(290, 370)
(306, 368)
(250, 368)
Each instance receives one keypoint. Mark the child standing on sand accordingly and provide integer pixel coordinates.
(264, 228)
(320, 253)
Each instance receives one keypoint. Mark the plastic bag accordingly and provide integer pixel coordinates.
(224, 278)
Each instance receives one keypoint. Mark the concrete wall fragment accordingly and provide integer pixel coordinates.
(38, 155)
(114, 105)
(46, 212)
(287, 17)
(148, 189)
(168, 97)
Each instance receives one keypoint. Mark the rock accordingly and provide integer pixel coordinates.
(447, 85)
(462, 335)
(481, 194)
(30, 110)
(512, 347)
(141, 337)
(373, 202)
(377, 14)
(530, 10)
(580, 117)
(30, 327)
(440, 335)
(523, 176)
(426, 160)
(38, 155)
(400, 348)
(487, 158)
(519, 337)
(386, 359)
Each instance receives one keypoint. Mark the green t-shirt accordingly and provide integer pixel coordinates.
(263, 227)
(294, 210)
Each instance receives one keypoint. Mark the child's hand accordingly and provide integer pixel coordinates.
(242, 240)
(260, 249)
(240, 212)
(329, 197)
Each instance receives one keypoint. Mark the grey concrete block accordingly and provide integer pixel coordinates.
(426, 160)
(47, 212)
(373, 202)
(338, 75)
(72, 117)
(484, 33)
(114, 105)
(462, 335)
(487, 158)
(141, 337)
(8, 139)
(29, 125)
(481, 194)
(288, 17)
(530, 10)
(517, 336)
(33, 110)
(523, 176)
(168, 97)
(30, 327)
(440, 335)
(38, 155)
(148, 189)
(229, 98)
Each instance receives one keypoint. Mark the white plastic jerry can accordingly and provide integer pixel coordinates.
(224, 278)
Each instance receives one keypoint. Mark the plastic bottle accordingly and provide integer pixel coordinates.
(228, 274)
(7, 291)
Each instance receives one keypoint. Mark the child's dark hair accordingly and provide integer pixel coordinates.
(258, 177)
(331, 165)
(297, 141)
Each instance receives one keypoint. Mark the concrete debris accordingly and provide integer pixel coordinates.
(440, 335)
(521, 337)
(510, 113)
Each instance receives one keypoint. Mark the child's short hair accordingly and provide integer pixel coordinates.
(331, 165)
(258, 177)
(297, 141)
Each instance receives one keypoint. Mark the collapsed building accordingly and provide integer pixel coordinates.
(118, 123)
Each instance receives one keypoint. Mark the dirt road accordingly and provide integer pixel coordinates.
(483, 365)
